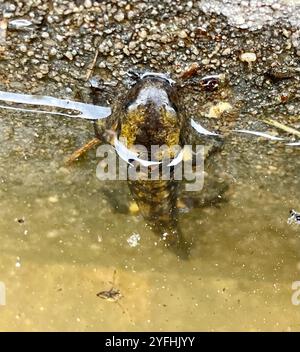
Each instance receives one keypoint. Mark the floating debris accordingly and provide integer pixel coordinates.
(294, 218)
(113, 294)
(88, 111)
(134, 240)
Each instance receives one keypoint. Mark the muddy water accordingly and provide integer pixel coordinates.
(61, 240)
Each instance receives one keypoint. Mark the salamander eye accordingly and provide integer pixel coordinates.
(133, 76)
(210, 83)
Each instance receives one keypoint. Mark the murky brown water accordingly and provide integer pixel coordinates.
(69, 240)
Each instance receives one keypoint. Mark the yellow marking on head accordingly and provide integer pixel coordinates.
(171, 125)
(131, 125)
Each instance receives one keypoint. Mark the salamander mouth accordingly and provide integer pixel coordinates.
(129, 155)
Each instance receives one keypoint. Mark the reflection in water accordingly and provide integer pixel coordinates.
(88, 111)
(261, 134)
(296, 144)
(200, 129)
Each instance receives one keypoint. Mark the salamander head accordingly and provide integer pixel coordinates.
(151, 113)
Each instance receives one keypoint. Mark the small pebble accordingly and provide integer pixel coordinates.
(119, 17)
(88, 4)
(53, 52)
(248, 57)
(23, 48)
(69, 55)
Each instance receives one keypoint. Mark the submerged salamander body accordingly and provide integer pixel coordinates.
(151, 115)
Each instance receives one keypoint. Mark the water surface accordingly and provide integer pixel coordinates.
(61, 240)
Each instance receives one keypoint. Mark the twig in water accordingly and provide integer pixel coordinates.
(92, 65)
(282, 127)
(79, 152)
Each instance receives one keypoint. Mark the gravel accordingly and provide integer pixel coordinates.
(51, 46)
